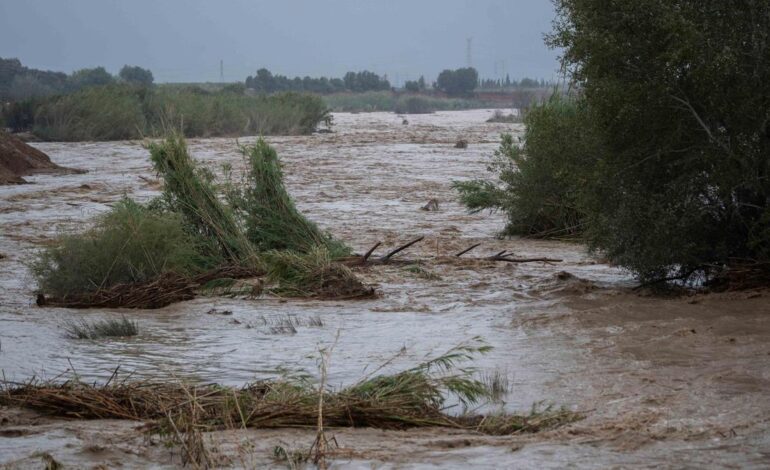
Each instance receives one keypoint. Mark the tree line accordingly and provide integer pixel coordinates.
(18, 82)
(265, 81)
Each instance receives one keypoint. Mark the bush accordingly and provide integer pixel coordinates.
(129, 244)
(125, 111)
(543, 179)
(678, 92)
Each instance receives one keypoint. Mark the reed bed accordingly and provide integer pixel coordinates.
(121, 111)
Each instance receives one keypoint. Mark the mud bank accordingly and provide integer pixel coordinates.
(18, 159)
(664, 382)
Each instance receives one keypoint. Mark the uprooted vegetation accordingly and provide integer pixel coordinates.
(148, 256)
(416, 397)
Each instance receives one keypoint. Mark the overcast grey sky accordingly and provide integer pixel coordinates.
(184, 40)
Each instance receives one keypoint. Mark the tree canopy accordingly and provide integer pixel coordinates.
(679, 92)
(460, 82)
(265, 82)
(137, 75)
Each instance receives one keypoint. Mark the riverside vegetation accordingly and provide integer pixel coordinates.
(129, 111)
(660, 159)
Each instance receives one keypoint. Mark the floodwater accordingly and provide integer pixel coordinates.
(663, 382)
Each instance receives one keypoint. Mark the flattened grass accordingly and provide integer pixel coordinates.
(412, 398)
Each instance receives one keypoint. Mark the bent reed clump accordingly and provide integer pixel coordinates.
(148, 256)
(416, 397)
(124, 111)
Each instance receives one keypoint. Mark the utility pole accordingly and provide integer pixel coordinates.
(468, 55)
(221, 71)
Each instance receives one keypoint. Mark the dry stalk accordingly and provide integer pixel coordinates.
(320, 441)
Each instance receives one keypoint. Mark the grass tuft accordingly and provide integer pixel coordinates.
(109, 328)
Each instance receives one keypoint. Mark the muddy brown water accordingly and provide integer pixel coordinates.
(663, 382)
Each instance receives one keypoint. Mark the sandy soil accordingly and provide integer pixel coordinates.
(664, 383)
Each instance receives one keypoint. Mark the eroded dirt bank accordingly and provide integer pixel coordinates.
(663, 382)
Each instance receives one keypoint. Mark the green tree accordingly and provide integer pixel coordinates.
(460, 82)
(412, 86)
(90, 77)
(680, 92)
(137, 75)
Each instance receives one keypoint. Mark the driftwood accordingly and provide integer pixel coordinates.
(473, 247)
(503, 256)
(401, 248)
(508, 258)
(371, 250)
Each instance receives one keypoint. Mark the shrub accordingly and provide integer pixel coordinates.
(505, 118)
(129, 244)
(543, 179)
(148, 257)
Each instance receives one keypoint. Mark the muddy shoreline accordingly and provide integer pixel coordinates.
(664, 382)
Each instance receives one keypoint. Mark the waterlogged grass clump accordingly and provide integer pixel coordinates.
(196, 235)
(109, 328)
